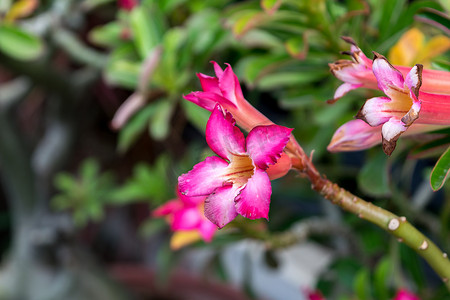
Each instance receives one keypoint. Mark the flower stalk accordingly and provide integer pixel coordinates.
(395, 225)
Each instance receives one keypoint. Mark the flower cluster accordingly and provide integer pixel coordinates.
(414, 96)
(237, 181)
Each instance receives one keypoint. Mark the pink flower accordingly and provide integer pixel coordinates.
(403, 294)
(404, 103)
(225, 90)
(357, 135)
(186, 214)
(357, 73)
(236, 182)
(354, 73)
(127, 4)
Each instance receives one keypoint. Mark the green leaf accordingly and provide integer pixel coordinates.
(429, 148)
(440, 171)
(373, 178)
(247, 20)
(270, 6)
(434, 17)
(123, 73)
(147, 27)
(64, 182)
(254, 67)
(382, 278)
(327, 114)
(19, 44)
(280, 80)
(136, 126)
(160, 123)
(107, 35)
(361, 284)
(148, 183)
(295, 47)
(441, 65)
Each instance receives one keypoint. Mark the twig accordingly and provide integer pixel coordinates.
(395, 225)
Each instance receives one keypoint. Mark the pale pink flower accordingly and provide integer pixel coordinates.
(357, 73)
(404, 103)
(354, 73)
(236, 182)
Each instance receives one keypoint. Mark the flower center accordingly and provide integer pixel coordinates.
(240, 170)
(401, 101)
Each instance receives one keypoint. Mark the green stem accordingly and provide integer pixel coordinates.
(395, 225)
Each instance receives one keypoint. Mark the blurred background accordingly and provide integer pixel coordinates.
(94, 132)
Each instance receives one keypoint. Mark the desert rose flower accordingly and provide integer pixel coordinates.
(235, 182)
(225, 90)
(357, 73)
(404, 104)
(186, 219)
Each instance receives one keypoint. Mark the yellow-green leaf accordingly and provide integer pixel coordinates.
(19, 44)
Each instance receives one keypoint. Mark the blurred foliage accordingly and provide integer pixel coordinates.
(86, 194)
(280, 50)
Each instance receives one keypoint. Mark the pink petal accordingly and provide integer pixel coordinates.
(391, 131)
(266, 143)
(168, 208)
(355, 135)
(209, 84)
(229, 86)
(281, 168)
(222, 136)
(190, 201)
(204, 178)
(207, 230)
(373, 111)
(387, 76)
(208, 100)
(219, 206)
(254, 200)
(345, 88)
(413, 81)
(217, 69)
(186, 219)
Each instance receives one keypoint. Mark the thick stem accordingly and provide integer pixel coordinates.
(395, 225)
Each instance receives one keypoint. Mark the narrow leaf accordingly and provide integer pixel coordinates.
(19, 44)
(440, 171)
